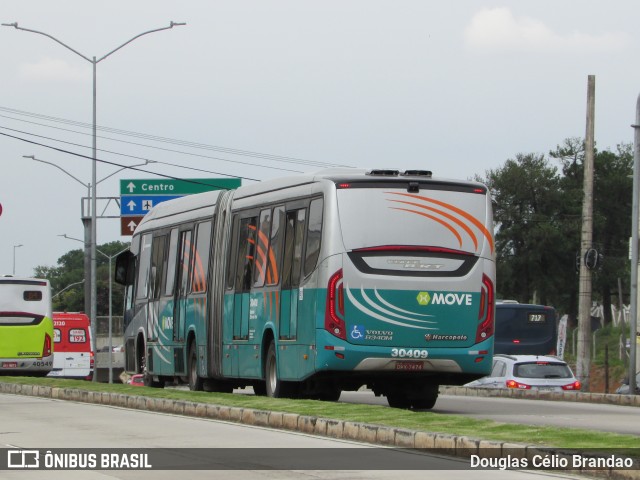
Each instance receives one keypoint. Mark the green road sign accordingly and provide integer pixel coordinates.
(184, 186)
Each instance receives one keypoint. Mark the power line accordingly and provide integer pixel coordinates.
(137, 169)
(248, 153)
(143, 158)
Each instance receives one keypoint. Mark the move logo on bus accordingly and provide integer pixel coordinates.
(436, 298)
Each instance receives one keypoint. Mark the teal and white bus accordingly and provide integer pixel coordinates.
(307, 286)
(26, 326)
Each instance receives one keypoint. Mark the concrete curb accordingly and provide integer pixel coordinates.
(585, 397)
(452, 445)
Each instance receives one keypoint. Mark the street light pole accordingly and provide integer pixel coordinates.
(14, 257)
(110, 258)
(94, 62)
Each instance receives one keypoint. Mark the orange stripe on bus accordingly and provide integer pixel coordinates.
(453, 208)
(436, 219)
(459, 222)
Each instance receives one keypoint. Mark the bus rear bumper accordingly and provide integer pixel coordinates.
(26, 365)
(343, 356)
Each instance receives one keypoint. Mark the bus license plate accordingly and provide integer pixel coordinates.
(9, 364)
(409, 366)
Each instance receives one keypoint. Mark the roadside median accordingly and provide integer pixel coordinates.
(461, 446)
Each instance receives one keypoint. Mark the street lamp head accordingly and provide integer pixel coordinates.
(32, 157)
(173, 24)
(14, 24)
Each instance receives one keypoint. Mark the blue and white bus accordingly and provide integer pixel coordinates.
(307, 286)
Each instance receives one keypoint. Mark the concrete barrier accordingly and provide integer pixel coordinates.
(443, 444)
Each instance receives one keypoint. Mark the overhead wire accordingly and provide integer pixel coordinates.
(155, 138)
(137, 169)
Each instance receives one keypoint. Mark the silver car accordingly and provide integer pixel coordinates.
(529, 372)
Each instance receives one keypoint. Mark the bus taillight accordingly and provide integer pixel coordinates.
(334, 312)
(486, 311)
(46, 348)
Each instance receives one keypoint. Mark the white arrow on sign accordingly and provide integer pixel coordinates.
(132, 225)
(131, 187)
(131, 205)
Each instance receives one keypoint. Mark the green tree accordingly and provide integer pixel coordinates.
(612, 199)
(68, 277)
(530, 245)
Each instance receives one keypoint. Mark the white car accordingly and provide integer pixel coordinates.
(529, 372)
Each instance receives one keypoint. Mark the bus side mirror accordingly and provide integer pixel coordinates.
(125, 263)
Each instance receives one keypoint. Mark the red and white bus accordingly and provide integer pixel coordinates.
(72, 356)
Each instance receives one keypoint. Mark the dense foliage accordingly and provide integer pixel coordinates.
(68, 280)
(538, 217)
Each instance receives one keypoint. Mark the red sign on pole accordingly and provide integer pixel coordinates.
(129, 224)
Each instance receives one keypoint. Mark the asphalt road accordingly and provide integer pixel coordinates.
(591, 416)
(38, 423)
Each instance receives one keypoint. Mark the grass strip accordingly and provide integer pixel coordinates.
(570, 438)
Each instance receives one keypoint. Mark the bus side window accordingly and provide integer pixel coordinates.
(185, 259)
(246, 253)
(232, 255)
(261, 270)
(293, 248)
(200, 258)
(144, 264)
(158, 255)
(275, 248)
(314, 236)
(171, 262)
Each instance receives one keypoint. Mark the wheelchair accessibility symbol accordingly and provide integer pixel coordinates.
(357, 332)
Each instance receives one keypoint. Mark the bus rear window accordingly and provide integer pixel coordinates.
(32, 295)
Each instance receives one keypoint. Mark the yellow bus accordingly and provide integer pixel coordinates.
(26, 326)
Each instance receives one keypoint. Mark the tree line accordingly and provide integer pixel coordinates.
(538, 220)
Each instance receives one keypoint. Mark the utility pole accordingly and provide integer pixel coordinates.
(634, 364)
(584, 307)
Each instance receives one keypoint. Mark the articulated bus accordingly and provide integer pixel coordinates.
(73, 357)
(26, 326)
(524, 329)
(307, 286)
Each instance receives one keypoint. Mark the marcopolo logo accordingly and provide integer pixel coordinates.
(439, 298)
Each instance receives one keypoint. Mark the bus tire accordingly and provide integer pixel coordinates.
(275, 387)
(427, 399)
(399, 400)
(195, 382)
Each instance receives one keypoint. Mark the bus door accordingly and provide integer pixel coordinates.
(182, 290)
(292, 262)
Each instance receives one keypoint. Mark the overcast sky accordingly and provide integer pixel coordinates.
(260, 89)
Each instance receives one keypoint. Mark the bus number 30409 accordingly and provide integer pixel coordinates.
(409, 353)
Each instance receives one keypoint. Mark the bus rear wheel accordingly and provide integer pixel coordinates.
(195, 382)
(423, 399)
(275, 387)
